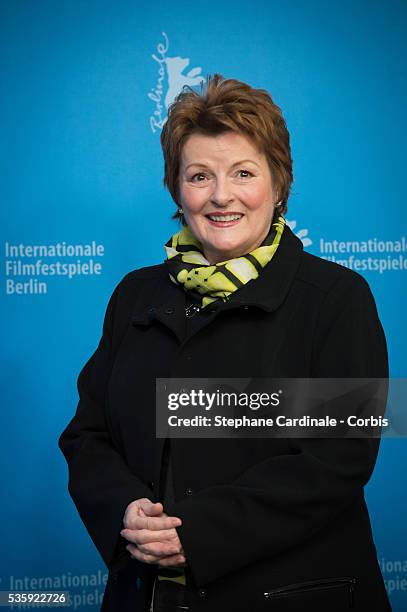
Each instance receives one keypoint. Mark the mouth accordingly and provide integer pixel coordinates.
(224, 219)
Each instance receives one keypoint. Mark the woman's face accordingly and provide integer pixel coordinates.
(226, 193)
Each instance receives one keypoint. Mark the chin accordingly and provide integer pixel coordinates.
(228, 253)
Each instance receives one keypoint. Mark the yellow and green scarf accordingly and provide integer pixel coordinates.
(210, 282)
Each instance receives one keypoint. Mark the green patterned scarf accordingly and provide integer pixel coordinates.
(210, 282)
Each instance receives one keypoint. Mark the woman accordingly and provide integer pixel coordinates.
(227, 524)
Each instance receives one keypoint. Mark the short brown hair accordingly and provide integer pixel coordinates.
(227, 105)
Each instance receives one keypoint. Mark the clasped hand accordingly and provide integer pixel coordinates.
(152, 534)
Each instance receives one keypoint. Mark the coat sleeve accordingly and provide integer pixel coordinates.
(288, 498)
(100, 482)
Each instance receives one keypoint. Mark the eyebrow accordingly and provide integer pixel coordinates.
(238, 163)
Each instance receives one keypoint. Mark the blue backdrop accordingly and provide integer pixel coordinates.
(85, 90)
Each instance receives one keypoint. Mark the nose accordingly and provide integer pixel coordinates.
(221, 194)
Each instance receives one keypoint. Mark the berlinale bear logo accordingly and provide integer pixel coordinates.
(170, 74)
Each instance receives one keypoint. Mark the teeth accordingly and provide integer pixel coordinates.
(225, 217)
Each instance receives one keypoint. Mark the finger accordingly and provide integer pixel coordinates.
(142, 513)
(143, 536)
(129, 517)
(142, 507)
(140, 556)
(153, 523)
(145, 557)
(173, 561)
(134, 509)
(170, 561)
(160, 549)
(151, 508)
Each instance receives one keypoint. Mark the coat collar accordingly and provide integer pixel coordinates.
(267, 292)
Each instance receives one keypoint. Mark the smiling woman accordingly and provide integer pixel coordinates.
(228, 524)
(228, 204)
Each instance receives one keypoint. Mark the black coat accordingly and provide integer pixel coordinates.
(257, 514)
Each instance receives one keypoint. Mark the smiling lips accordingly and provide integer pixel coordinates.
(224, 219)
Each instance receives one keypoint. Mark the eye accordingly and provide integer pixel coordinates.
(198, 177)
(244, 173)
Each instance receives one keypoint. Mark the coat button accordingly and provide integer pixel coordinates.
(169, 310)
(202, 593)
(114, 577)
(150, 313)
(151, 483)
(188, 491)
